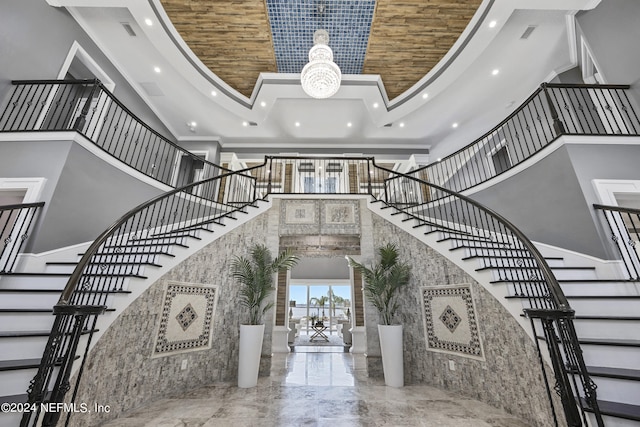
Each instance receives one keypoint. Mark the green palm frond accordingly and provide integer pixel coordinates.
(383, 280)
(255, 275)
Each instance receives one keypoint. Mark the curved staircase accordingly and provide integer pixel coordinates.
(606, 307)
(111, 275)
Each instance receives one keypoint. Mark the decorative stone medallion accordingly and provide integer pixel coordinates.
(450, 321)
(340, 217)
(186, 319)
(319, 217)
(299, 217)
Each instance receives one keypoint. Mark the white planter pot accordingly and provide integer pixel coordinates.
(392, 354)
(249, 355)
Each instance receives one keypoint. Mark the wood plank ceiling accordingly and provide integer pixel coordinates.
(407, 39)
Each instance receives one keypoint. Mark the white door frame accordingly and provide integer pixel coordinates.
(606, 190)
(77, 51)
(33, 189)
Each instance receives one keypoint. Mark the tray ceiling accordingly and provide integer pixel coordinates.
(399, 40)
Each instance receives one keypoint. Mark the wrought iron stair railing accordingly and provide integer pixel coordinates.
(551, 111)
(87, 107)
(170, 219)
(16, 222)
(484, 233)
(624, 226)
(135, 240)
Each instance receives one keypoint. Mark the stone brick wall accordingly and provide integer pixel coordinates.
(510, 376)
(120, 371)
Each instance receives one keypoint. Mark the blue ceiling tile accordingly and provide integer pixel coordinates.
(294, 22)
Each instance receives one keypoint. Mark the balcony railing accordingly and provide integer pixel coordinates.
(16, 222)
(551, 111)
(87, 107)
(624, 226)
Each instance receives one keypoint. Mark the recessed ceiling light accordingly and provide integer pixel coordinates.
(492, 24)
(193, 124)
(156, 69)
(495, 72)
(214, 93)
(148, 21)
(349, 124)
(439, 159)
(401, 124)
(245, 123)
(375, 105)
(455, 125)
(425, 95)
(297, 124)
(263, 104)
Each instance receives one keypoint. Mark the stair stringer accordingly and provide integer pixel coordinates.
(138, 286)
(499, 290)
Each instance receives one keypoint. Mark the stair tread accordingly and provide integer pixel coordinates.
(35, 333)
(620, 373)
(610, 341)
(616, 409)
(34, 310)
(145, 245)
(12, 365)
(602, 317)
(562, 281)
(492, 248)
(114, 275)
(511, 257)
(57, 291)
(520, 267)
(16, 334)
(597, 281)
(14, 398)
(170, 235)
(152, 264)
(35, 274)
(622, 297)
(130, 253)
(470, 239)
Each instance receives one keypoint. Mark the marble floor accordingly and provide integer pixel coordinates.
(317, 389)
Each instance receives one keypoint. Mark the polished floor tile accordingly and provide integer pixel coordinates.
(317, 389)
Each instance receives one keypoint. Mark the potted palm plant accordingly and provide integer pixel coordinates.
(382, 281)
(255, 277)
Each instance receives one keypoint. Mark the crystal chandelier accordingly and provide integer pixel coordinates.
(321, 76)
